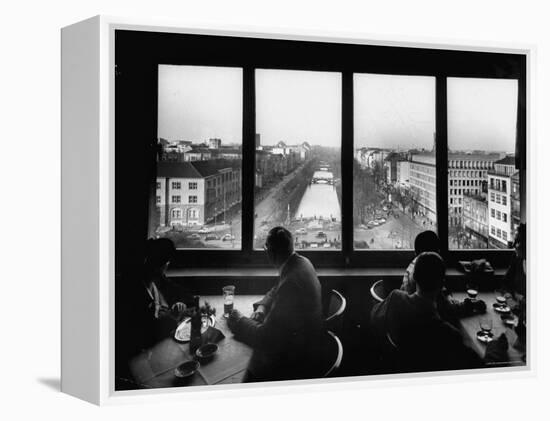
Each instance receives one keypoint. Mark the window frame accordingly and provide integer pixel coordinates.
(138, 54)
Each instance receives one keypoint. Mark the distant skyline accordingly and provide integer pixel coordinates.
(197, 103)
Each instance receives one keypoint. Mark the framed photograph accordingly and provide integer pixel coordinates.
(243, 210)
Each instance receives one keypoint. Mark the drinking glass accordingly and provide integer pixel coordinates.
(228, 297)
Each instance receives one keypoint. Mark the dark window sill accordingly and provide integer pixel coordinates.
(321, 272)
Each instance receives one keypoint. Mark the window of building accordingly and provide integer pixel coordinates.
(392, 115)
(201, 103)
(176, 213)
(504, 200)
(504, 217)
(301, 179)
(482, 117)
(158, 199)
(158, 185)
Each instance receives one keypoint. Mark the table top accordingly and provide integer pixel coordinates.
(154, 367)
(470, 327)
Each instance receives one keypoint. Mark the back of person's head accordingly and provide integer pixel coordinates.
(158, 252)
(429, 272)
(279, 241)
(426, 241)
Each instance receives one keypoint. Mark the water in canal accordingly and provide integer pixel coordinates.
(319, 201)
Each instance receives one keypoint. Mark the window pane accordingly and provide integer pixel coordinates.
(394, 166)
(482, 115)
(198, 192)
(298, 142)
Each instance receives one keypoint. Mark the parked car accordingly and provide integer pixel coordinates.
(301, 231)
(321, 234)
(313, 245)
(326, 245)
(228, 237)
(211, 237)
(203, 231)
(194, 237)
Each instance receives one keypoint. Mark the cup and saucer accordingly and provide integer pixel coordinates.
(501, 305)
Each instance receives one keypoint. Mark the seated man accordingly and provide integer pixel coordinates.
(285, 328)
(413, 326)
(449, 309)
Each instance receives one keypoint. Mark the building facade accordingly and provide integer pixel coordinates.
(500, 189)
(195, 193)
(475, 219)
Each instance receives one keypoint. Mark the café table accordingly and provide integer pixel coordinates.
(470, 327)
(154, 368)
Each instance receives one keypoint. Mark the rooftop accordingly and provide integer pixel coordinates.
(509, 160)
(196, 169)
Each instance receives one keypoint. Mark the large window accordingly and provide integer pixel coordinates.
(200, 142)
(298, 175)
(394, 172)
(354, 148)
(482, 116)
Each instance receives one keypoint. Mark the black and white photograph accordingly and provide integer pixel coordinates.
(302, 210)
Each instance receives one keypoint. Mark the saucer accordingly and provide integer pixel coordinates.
(484, 337)
(501, 308)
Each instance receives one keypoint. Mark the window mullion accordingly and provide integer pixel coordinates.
(441, 162)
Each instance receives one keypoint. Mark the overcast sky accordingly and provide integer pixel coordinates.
(297, 106)
(196, 103)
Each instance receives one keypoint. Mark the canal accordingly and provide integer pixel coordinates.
(320, 201)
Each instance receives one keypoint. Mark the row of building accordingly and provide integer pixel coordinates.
(483, 188)
(197, 183)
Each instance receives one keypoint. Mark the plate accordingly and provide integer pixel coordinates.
(186, 369)
(501, 309)
(484, 337)
(183, 331)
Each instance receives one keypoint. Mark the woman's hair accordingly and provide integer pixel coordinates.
(158, 252)
(426, 241)
(429, 271)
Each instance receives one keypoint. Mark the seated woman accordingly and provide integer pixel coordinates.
(158, 255)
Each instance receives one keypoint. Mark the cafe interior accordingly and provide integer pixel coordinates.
(353, 279)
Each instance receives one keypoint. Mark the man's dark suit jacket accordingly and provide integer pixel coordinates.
(424, 341)
(286, 343)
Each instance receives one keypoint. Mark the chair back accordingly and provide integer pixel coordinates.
(382, 288)
(333, 352)
(334, 314)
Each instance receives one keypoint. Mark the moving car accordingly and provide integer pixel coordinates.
(301, 231)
